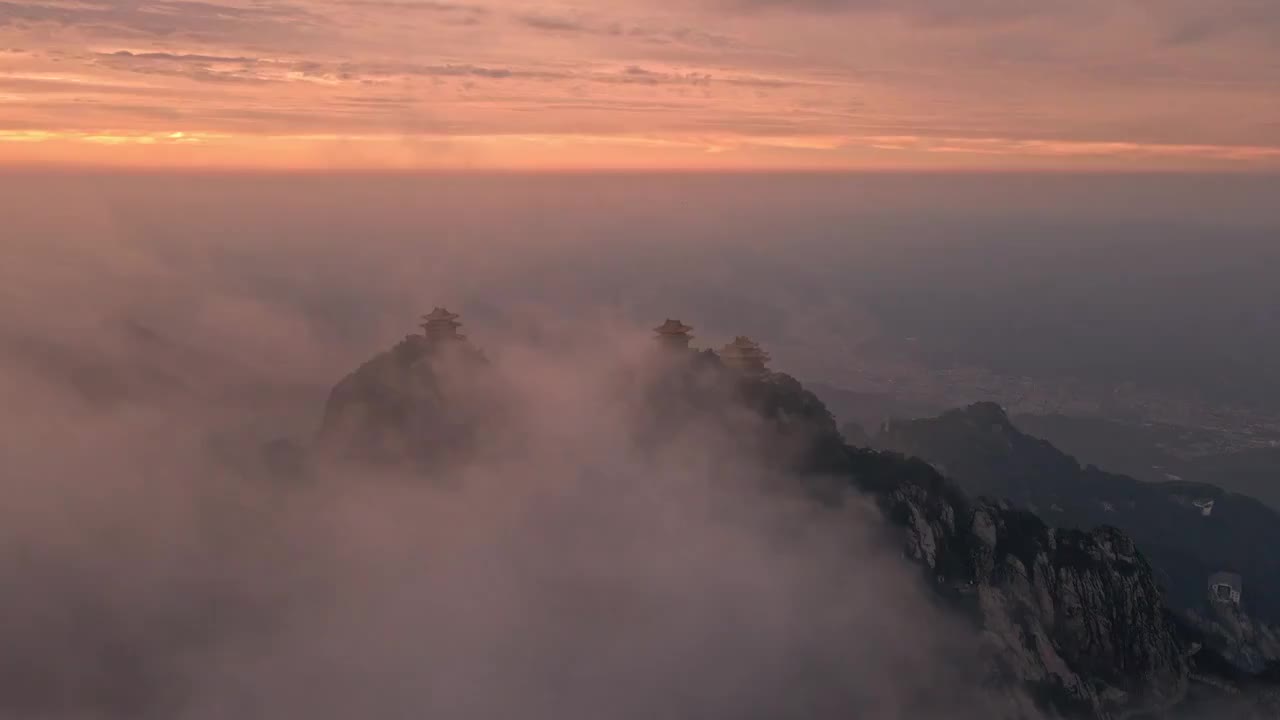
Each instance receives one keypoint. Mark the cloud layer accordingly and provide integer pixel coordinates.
(733, 83)
(564, 571)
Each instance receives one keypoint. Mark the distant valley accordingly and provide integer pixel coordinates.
(1238, 451)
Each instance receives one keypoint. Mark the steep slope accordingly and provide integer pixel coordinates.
(1246, 643)
(1187, 530)
(417, 401)
(1076, 616)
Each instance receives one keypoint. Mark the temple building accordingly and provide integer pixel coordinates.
(1225, 587)
(744, 355)
(674, 334)
(441, 325)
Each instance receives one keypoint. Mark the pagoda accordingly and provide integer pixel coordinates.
(745, 355)
(441, 325)
(674, 334)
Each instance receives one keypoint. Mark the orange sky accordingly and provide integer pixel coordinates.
(742, 84)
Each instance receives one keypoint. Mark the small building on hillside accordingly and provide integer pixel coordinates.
(745, 355)
(1225, 587)
(441, 325)
(1205, 505)
(674, 334)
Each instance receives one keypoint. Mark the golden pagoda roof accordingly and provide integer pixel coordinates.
(673, 327)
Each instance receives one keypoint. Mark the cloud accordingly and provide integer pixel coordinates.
(479, 71)
(1192, 23)
(215, 68)
(645, 31)
(247, 69)
(942, 12)
(201, 68)
(566, 570)
(159, 18)
(178, 57)
(1092, 71)
(426, 6)
(447, 12)
(1180, 21)
(553, 23)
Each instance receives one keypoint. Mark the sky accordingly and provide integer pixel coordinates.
(673, 84)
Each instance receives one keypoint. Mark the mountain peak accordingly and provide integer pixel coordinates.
(987, 413)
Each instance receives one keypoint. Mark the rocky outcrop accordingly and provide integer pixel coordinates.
(987, 455)
(1219, 688)
(1075, 617)
(1245, 642)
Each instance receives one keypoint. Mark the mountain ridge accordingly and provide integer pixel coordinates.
(1190, 530)
(1075, 617)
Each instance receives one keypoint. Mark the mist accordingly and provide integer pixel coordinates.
(1101, 279)
(564, 572)
(157, 568)
(154, 334)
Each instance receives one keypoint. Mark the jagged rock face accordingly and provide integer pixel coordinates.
(1077, 617)
(981, 449)
(1219, 689)
(1249, 644)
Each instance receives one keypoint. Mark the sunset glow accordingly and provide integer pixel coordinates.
(708, 84)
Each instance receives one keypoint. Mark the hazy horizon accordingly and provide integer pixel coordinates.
(1110, 279)
(249, 471)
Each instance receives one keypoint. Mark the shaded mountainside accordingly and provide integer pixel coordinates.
(1078, 616)
(1156, 452)
(1245, 642)
(416, 401)
(1188, 530)
(1075, 617)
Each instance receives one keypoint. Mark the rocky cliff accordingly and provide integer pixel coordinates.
(1077, 617)
(1188, 531)
(1247, 643)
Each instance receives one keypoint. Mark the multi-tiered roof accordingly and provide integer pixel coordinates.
(674, 333)
(744, 354)
(440, 324)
